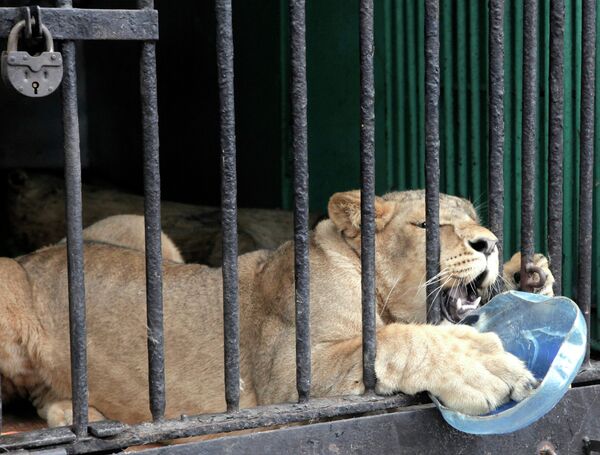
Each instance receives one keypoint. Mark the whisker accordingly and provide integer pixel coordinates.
(437, 291)
(441, 274)
(389, 294)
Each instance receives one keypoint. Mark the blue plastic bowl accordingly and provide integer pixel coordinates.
(549, 334)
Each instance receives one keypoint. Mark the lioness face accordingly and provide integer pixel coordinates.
(468, 262)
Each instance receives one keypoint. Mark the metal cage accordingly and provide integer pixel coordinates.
(70, 24)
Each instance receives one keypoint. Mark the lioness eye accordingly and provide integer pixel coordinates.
(423, 225)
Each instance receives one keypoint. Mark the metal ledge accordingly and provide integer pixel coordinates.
(263, 416)
(589, 373)
(113, 435)
(90, 24)
(420, 430)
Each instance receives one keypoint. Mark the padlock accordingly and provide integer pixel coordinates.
(31, 75)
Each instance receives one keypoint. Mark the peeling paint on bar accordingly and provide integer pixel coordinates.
(231, 325)
(297, 11)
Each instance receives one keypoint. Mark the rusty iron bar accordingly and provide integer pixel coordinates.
(231, 324)
(154, 298)
(555, 141)
(297, 12)
(586, 161)
(89, 24)
(432, 156)
(73, 201)
(496, 123)
(367, 191)
(530, 28)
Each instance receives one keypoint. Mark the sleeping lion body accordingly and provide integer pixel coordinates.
(467, 370)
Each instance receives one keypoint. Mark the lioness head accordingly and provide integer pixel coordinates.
(468, 262)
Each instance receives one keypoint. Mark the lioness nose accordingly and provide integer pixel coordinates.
(483, 245)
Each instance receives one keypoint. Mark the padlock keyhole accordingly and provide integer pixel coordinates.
(35, 85)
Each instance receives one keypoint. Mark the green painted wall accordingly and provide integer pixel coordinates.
(333, 81)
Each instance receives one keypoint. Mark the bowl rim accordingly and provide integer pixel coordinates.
(578, 325)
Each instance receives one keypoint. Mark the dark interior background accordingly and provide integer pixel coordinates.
(108, 77)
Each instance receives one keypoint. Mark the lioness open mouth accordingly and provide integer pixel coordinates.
(460, 300)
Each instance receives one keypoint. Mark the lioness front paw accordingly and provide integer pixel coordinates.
(512, 274)
(60, 414)
(475, 374)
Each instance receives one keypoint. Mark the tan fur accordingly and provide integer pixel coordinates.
(467, 370)
(128, 231)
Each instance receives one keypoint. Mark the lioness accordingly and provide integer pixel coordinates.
(467, 370)
(128, 231)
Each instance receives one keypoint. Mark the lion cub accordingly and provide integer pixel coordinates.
(469, 371)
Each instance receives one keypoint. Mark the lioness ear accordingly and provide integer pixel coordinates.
(344, 211)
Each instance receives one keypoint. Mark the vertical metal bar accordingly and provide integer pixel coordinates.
(367, 191)
(231, 325)
(530, 24)
(77, 327)
(555, 141)
(496, 123)
(0, 404)
(586, 182)
(432, 149)
(297, 11)
(156, 362)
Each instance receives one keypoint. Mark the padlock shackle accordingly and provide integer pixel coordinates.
(13, 37)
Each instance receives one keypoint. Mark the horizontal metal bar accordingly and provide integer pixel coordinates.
(36, 438)
(589, 372)
(90, 24)
(263, 416)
